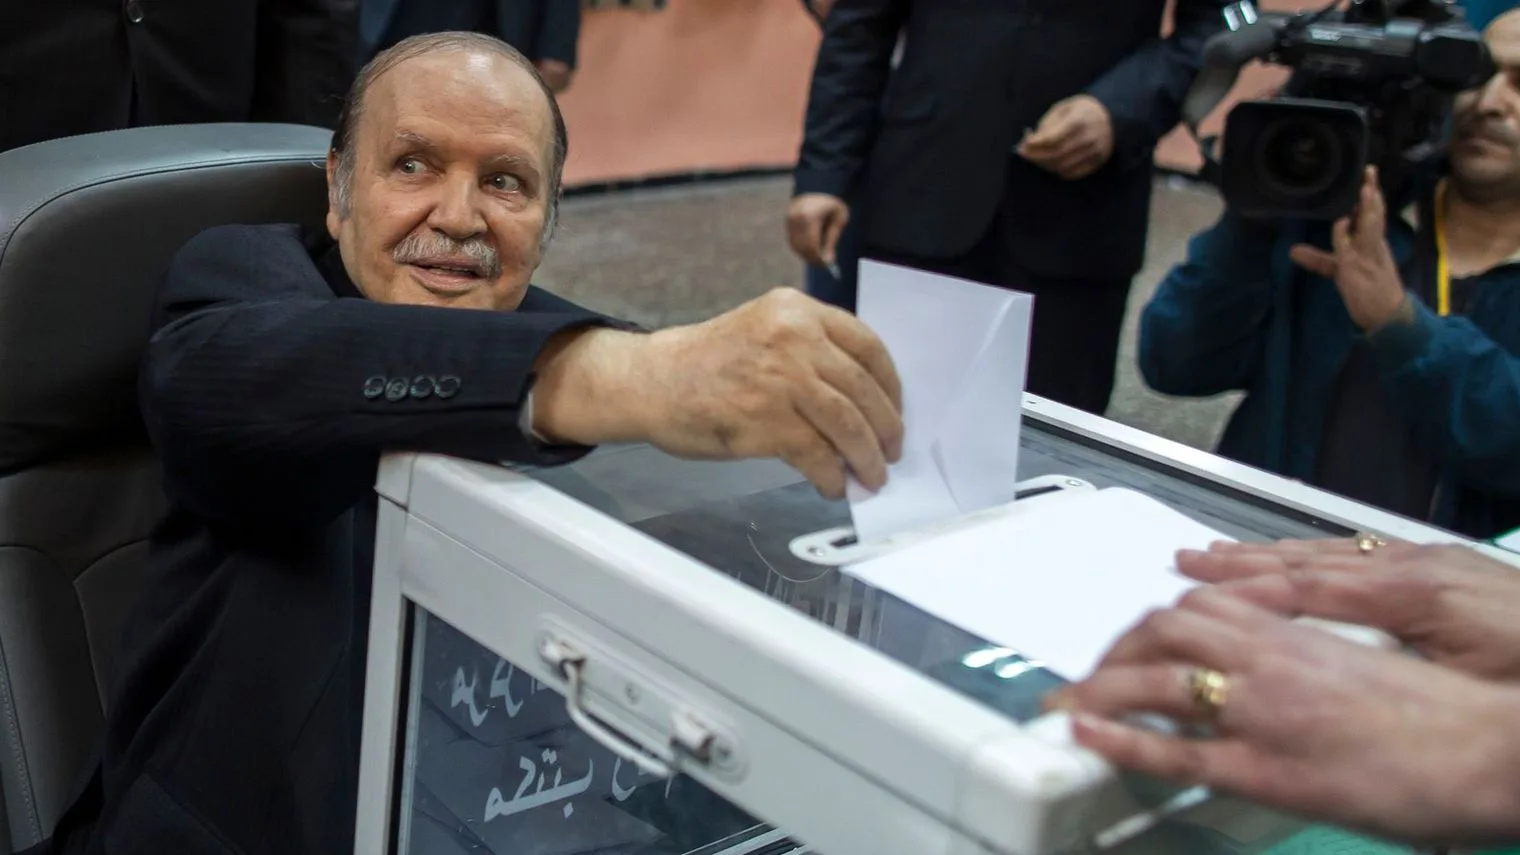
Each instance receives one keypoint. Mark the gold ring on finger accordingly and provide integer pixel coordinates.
(1209, 690)
(1366, 542)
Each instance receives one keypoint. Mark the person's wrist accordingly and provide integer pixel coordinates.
(1400, 313)
(588, 391)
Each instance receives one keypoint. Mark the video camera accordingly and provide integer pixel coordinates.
(1374, 85)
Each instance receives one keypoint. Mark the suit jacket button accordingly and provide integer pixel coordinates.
(448, 386)
(134, 11)
(422, 386)
(374, 387)
(396, 389)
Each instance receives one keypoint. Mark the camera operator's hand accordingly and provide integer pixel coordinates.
(1362, 264)
(813, 225)
(1074, 139)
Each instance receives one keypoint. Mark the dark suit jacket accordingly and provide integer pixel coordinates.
(270, 389)
(541, 29)
(79, 66)
(926, 151)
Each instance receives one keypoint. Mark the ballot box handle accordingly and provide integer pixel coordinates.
(570, 663)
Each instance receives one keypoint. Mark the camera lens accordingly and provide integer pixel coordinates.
(1299, 158)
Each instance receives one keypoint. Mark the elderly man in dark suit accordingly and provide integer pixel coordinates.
(545, 31)
(1012, 145)
(285, 363)
(80, 66)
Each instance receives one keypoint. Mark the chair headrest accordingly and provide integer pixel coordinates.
(88, 225)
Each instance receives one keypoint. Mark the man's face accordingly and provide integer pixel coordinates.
(449, 194)
(1485, 146)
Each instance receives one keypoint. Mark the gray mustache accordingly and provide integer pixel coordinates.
(428, 247)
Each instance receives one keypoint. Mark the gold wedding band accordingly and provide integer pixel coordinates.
(1366, 541)
(1209, 690)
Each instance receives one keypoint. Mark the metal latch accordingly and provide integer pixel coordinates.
(689, 737)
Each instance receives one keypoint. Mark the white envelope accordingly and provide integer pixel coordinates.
(962, 350)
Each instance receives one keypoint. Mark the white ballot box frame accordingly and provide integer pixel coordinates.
(743, 694)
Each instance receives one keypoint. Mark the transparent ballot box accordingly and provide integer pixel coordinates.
(628, 655)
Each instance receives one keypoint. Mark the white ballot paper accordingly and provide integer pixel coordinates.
(961, 350)
(1057, 579)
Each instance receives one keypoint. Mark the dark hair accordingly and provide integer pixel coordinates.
(415, 46)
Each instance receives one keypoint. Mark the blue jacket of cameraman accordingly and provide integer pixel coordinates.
(1239, 315)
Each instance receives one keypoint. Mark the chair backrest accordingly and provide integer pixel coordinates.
(87, 227)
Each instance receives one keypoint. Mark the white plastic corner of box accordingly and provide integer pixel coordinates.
(1034, 791)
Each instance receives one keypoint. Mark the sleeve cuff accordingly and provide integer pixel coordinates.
(824, 181)
(1130, 144)
(1402, 341)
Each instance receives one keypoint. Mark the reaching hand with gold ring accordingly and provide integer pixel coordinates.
(1452, 605)
(1309, 723)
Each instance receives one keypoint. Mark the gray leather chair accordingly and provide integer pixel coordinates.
(87, 226)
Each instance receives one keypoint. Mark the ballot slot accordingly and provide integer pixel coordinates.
(840, 545)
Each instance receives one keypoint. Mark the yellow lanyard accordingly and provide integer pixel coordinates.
(1443, 267)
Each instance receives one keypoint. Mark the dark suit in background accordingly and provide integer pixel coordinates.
(71, 67)
(926, 152)
(541, 29)
(270, 389)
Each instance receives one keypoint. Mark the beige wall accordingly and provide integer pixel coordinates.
(703, 84)
(718, 85)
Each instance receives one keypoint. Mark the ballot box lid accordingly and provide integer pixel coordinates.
(644, 549)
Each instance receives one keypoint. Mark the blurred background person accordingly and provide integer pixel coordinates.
(1378, 356)
(1013, 145)
(834, 281)
(545, 31)
(79, 66)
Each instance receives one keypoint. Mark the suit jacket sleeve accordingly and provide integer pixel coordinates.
(306, 57)
(849, 76)
(559, 30)
(270, 400)
(1143, 93)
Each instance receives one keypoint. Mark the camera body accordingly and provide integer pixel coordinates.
(1374, 84)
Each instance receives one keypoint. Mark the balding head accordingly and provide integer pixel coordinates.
(444, 174)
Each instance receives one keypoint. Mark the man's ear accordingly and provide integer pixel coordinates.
(333, 218)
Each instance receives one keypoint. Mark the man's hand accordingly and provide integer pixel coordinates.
(1311, 723)
(1074, 138)
(556, 73)
(1453, 605)
(814, 222)
(781, 376)
(1362, 264)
